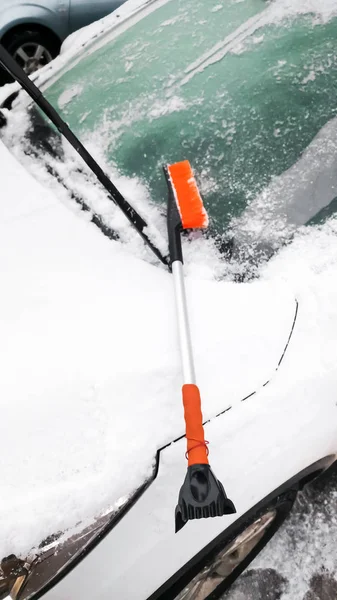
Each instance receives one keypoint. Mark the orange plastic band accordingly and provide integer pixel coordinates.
(197, 444)
(197, 450)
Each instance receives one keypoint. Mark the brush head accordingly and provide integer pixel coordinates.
(186, 194)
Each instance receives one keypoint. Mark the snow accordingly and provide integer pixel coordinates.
(68, 95)
(304, 189)
(89, 355)
(173, 104)
(307, 538)
(88, 343)
(310, 77)
(274, 13)
(217, 8)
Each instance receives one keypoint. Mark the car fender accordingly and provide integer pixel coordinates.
(123, 562)
(56, 19)
(285, 432)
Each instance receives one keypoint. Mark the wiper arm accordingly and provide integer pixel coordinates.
(131, 214)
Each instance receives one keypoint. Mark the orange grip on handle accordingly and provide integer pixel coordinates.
(196, 446)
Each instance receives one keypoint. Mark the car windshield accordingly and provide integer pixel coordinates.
(239, 88)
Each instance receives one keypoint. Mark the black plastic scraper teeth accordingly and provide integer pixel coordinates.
(201, 496)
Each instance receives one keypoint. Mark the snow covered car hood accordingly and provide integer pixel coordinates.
(91, 372)
(90, 366)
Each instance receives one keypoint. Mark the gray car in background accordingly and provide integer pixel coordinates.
(33, 31)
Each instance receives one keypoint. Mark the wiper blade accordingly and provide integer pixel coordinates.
(131, 214)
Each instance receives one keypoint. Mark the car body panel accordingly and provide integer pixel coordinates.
(142, 551)
(81, 39)
(83, 12)
(54, 15)
(60, 16)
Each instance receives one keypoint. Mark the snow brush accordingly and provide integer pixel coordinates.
(201, 495)
(131, 214)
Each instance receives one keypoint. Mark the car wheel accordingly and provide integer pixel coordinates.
(232, 555)
(32, 49)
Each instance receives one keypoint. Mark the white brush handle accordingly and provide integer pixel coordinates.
(183, 323)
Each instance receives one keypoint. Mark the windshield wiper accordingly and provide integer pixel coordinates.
(131, 214)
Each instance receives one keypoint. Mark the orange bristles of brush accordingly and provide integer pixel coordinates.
(189, 203)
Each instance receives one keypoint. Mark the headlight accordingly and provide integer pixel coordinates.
(21, 580)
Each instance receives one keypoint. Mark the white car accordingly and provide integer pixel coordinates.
(92, 433)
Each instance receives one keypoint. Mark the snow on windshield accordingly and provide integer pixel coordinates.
(227, 111)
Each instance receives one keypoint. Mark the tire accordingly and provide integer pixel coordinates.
(32, 49)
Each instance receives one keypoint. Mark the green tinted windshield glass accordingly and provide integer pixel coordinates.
(221, 83)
